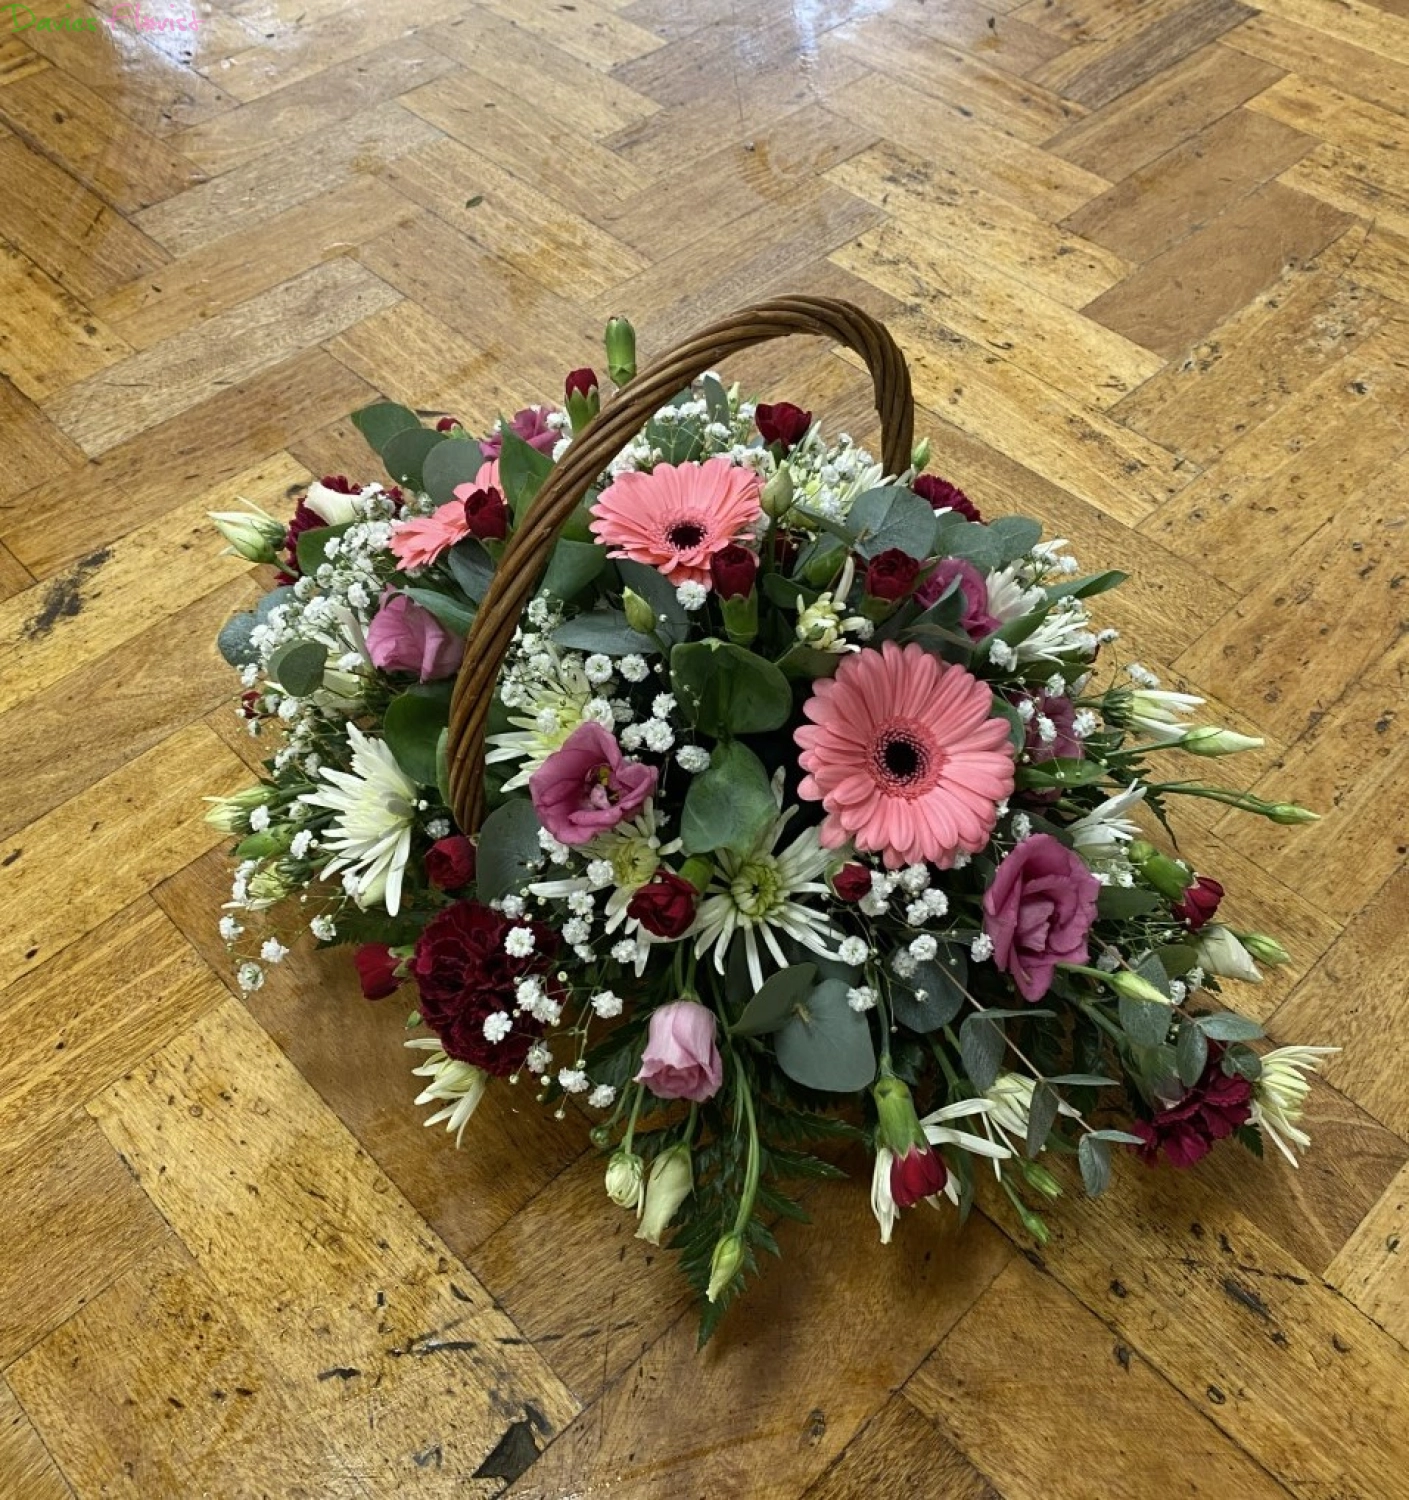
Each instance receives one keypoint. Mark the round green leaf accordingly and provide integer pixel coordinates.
(771, 1007)
(940, 980)
(233, 642)
(405, 454)
(453, 462)
(509, 851)
(892, 517)
(724, 689)
(381, 421)
(827, 1045)
(730, 805)
(297, 666)
(412, 727)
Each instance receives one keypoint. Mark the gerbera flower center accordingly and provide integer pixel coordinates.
(685, 534)
(756, 887)
(905, 760)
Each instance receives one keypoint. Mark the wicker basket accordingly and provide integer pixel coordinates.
(615, 425)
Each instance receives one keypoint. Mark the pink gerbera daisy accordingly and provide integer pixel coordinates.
(906, 756)
(417, 541)
(678, 516)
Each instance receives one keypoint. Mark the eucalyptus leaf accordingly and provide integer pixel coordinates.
(1094, 1157)
(724, 689)
(1083, 1080)
(772, 1006)
(1118, 1137)
(676, 442)
(1060, 773)
(1041, 1117)
(1152, 970)
(1014, 536)
(381, 421)
(827, 1045)
(1191, 1053)
(1177, 958)
(604, 631)
(509, 851)
(405, 454)
(1121, 903)
(1145, 1022)
(716, 399)
(892, 516)
(571, 568)
(522, 470)
(1228, 1026)
(297, 666)
(1243, 1061)
(234, 642)
(970, 540)
(471, 567)
(981, 1045)
(655, 588)
(448, 465)
(941, 979)
(453, 613)
(1017, 730)
(311, 547)
(271, 601)
(730, 805)
(412, 726)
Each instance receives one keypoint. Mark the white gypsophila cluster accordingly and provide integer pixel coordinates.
(731, 438)
(827, 479)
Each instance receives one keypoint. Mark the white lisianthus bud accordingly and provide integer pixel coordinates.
(1290, 813)
(724, 1265)
(232, 814)
(1134, 987)
(777, 497)
(1265, 949)
(252, 534)
(1210, 741)
(625, 1175)
(671, 1181)
(336, 509)
(1222, 954)
(639, 615)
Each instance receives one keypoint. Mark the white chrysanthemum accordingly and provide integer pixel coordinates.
(1006, 1122)
(458, 1085)
(1105, 830)
(754, 895)
(548, 695)
(1010, 595)
(370, 838)
(938, 1132)
(1279, 1095)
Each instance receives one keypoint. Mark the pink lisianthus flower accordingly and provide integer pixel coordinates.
(588, 786)
(405, 637)
(682, 1060)
(531, 424)
(677, 517)
(905, 755)
(976, 619)
(1038, 912)
(418, 541)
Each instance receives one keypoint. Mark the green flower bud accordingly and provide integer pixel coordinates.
(698, 870)
(1134, 987)
(1265, 949)
(671, 1181)
(724, 1265)
(1289, 813)
(262, 845)
(232, 814)
(777, 497)
(1208, 740)
(621, 350)
(1168, 876)
(625, 1172)
(920, 455)
(267, 887)
(1034, 1225)
(251, 534)
(1041, 1180)
(639, 615)
(898, 1127)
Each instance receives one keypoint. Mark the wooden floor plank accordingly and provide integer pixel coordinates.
(25, 1465)
(1370, 1268)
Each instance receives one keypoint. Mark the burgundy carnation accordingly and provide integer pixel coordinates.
(304, 519)
(1199, 903)
(732, 571)
(1210, 1111)
(486, 515)
(448, 424)
(376, 970)
(892, 575)
(465, 975)
(581, 382)
(852, 883)
(450, 862)
(920, 1173)
(782, 423)
(943, 495)
(665, 905)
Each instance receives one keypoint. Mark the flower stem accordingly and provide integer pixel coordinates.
(635, 1110)
(755, 1157)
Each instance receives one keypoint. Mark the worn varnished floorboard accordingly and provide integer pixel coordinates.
(1151, 261)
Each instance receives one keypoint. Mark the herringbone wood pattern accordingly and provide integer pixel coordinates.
(1151, 261)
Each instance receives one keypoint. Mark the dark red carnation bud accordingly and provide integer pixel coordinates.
(785, 549)
(448, 424)
(920, 1173)
(782, 423)
(486, 515)
(581, 382)
(450, 862)
(892, 575)
(340, 483)
(732, 570)
(1199, 902)
(376, 968)
(852, 882)
(304, 519)
(941, 495)
(665, 905)
(249, 704)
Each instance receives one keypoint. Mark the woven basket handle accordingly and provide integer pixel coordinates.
(619, 420)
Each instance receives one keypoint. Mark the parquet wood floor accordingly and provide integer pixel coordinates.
(1151, 261)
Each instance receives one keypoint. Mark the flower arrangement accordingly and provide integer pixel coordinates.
(815, 814)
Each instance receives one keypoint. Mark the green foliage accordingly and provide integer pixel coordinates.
(826, 1045)
(312, 546)
(450, 610)
(724, 689)
(297, 666)
(414, 723)
(471, 567)
(604, 631)
(777, 1001)
(942, 979)
(509, 849)
(381, 421)
(1228, 1026)
(449, 464)
(892, 516)
(571, 568)
(405, 454)
(522, 470)
(728, 806)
